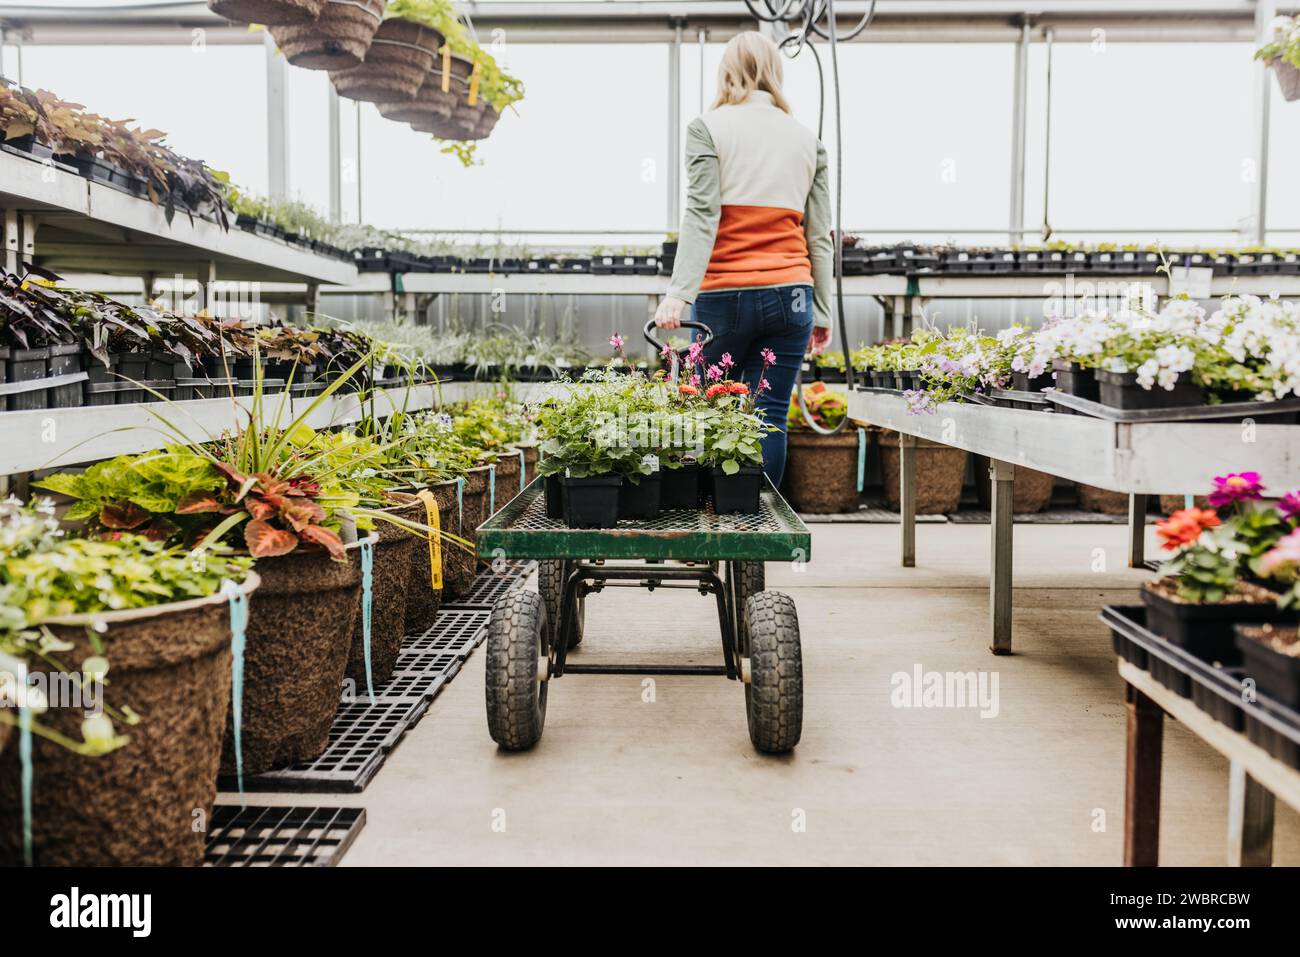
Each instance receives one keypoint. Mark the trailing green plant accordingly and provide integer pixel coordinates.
(1285, 42)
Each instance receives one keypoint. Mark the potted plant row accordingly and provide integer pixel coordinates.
(821, 469)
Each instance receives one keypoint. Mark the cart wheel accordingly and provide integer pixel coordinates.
(516, 697)
(774, 694)
(750, 580)
(550, 585)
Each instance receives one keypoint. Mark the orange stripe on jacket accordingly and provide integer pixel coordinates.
(758, 246)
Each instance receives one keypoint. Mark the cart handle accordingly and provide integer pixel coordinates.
(689, 324)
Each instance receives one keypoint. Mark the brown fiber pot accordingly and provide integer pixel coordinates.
(468, 119)
(390, 585)
(1031, 490)
(430, 101)
(137, 805)
(1093, 499)
(822, 471)
(462, 564)
(400, 57)
(488, 123)
(267, 12)
(422, 599)
(507, 476)
(338, 40)
(939, 473)
(299, 634)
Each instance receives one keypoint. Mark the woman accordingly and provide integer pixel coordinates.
(754, 254)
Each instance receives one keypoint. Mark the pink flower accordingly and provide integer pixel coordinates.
(694, 353)
(726, 361)
(1285, 554)
(666, 352)
(1235, 487)
(616, 341)
(714, 372)
(764, 385)
(695, 380)
(1289, 505)
(769, 357)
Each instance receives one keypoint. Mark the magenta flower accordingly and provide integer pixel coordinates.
(764, 385)
(694, 353)
(1289, 505)
(695, 380)
(769, 357)
(714, 372)
(616, 341)
(726, 361)
(1235, 487)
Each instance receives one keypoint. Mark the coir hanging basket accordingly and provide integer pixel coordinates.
(1288, 78)
(338, 40)
(432, 100)
(400, 57)
(268, 12)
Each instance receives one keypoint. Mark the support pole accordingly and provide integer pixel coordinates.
(1137, 531)
(674, 129)
(1019, 114)
(1256, 224)
(336, 157)
(907, 496)
(1250, 820)
(1002, 485)
(1146, 730)
(277, 121)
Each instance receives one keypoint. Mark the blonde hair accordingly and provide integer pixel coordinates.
(750, 62)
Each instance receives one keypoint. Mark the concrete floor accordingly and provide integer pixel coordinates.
(620, 780)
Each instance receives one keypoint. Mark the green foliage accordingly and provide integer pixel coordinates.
(1207, 571)
(732, 435)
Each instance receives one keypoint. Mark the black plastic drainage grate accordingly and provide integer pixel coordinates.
(456, 630)
(361, 735)
(428, 664)
(281, 836)
(494, 582)
(407, 686)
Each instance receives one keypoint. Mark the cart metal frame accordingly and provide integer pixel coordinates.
(680, 549)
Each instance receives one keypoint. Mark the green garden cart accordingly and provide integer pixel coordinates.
(530, 635)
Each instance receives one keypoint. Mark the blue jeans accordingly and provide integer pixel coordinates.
(746, 321)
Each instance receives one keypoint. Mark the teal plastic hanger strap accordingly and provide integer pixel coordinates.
(238, 628)
(862, 457)
(367, 579)
(460, 501)
(523, 470)
(492, 489)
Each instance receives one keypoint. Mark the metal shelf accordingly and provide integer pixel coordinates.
(73, 224)
(588, 284)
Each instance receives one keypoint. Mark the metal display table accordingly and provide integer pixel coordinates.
(530, 634)
(1137, 458)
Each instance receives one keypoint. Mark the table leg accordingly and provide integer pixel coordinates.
(907, 496)
(1002, 482)
(1137, 531)
(1250, 820)
(1142, 780)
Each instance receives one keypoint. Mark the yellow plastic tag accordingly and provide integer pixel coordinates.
(446, 68)
(473, 84)
(434, 521)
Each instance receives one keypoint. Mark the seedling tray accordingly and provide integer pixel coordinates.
(360, 738)
(1219, 692)
(774, 533)
(1195, 413)
(281, 836)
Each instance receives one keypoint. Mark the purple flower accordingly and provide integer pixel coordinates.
(1235, 487)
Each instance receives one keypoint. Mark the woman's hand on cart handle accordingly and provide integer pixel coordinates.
(821, 338)
(669, 313)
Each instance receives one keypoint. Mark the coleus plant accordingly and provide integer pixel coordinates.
(826, 408)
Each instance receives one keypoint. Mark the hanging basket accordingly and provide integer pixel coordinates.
(268, 12)
(488, 123)
(1288, 78)
(430, 102)
(468, 119)
(400, 57)
(338, 40)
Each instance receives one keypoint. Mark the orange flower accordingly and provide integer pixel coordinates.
(737, 388)
(688, 390)
(1185, 526)
(716, 389)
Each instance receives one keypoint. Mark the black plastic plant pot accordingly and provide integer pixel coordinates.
(91, 167)
(1276, 674)
(882, 379)
(640, 499)
(680, 487)
(64, 360)
(1021, 382)
(30, 144)
(1206, 631)
(736, 494)
(1073, 379)
(554, 497)
(591, 502)
(1120, 390)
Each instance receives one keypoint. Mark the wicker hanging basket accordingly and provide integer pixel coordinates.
(338, 40)
(268, 12)
(1288, 78)
(400, 57)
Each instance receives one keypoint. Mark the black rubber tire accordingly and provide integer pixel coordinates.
(751, 579)
(550, 585)
(516, 699)
(774, 694)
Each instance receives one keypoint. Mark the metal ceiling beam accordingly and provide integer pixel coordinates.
(656, 21)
